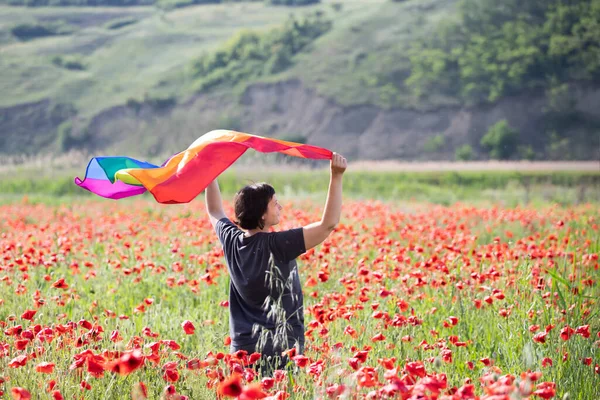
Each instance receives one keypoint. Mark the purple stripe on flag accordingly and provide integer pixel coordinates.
(103, 187)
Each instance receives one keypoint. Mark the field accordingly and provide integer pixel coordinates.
(481, 298)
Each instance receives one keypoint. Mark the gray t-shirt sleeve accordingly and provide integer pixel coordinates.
(287, 245)
(226, 231)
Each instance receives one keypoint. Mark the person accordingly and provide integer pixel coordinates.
(266, 313)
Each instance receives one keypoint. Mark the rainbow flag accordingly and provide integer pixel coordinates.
(186, 174)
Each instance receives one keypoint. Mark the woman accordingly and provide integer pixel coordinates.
(265, 295)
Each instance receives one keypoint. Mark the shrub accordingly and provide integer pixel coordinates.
(434, 144)
(30, 31)
(464, 153)
(500, 140)
(120, 23)
(292, 2)
(72, 62)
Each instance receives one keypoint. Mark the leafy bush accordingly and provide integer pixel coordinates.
(434, 144)
(157, 103)
(160, 103)
(72, 63)
(64, 140)
(68, 138)
(527, 153)
(464, 153)
(30, 31)
(230, 121)
(294, 138)
(500, 140)
(120, 23)
(251, 54)
(292, 2)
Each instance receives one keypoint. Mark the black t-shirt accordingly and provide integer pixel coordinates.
(250, 262)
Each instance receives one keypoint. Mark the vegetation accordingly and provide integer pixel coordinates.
(292, 2)
(67, 138)
(498, 48)
(434, 144)
(83, 3)
(69, 62)
(251, 54)
(156, 103)
(129, 3)
(29, 31)
(128, 300)
(361, 53)
(433, 187)
(120, 23)
(464, 153)
(500, 141)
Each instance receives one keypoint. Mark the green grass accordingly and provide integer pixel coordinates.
(368, 39)
(507, 188)
(124, 63)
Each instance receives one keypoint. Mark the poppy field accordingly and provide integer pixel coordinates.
(128, 300)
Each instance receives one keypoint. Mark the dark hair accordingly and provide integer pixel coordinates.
(251, 203)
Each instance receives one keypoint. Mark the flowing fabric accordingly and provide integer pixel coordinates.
(186, 174)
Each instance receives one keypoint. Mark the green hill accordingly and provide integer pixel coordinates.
(372, 78)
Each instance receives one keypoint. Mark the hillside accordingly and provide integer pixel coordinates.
(147, 81)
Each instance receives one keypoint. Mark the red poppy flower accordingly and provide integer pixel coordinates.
(28, 315)
(45, 367)
(171, 375)
(486, 361)
(540, 337)
(267, 383)
(95, 369)
(127, 363)
(188, 327)
(50, 385)
(566, 332)
(415, 368)
(231, 386)
(60, 284)
(18, 393)
(21, 344)
(18, 361)
(546, 362)
(351, 331)
(279, 375)
(56, 395)
(378, 338)
(139, 391)
(583, 331)
(335, 391)
(252, 391)
(300, 360)
(545, 390)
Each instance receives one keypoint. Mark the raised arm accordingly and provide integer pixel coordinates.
(317, 232)
(214, 202)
